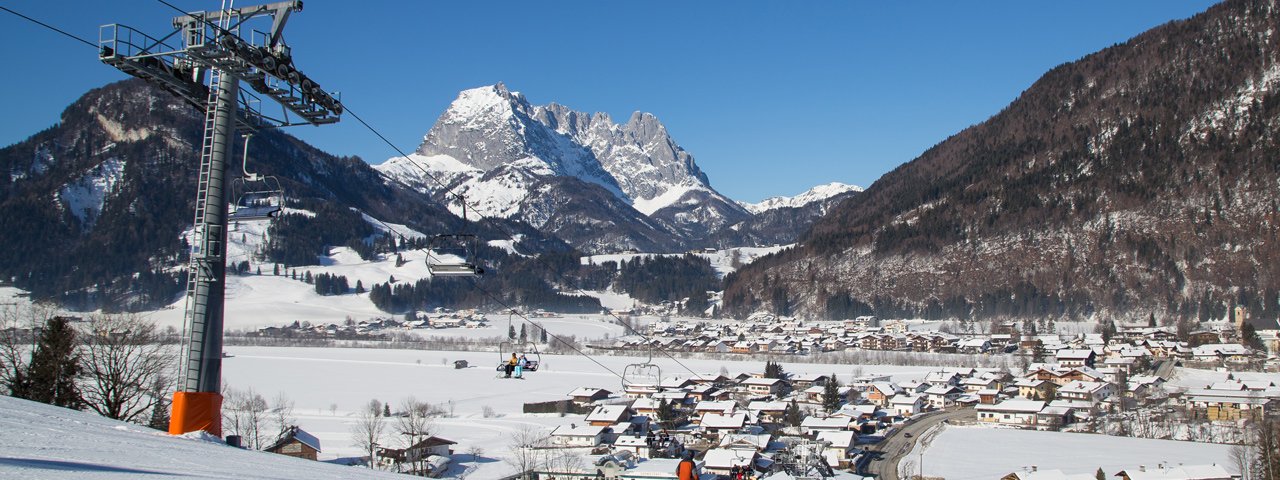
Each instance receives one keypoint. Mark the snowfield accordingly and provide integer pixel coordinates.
(328, 385)
(973, 453)
(39, 441)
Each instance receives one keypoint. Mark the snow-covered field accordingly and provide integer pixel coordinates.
(39, 441)
(723, 261)
(328, 385)
(977, 452)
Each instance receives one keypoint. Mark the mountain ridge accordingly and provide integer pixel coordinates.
(1139, 180)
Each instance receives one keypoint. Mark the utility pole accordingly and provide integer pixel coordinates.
(209, 47)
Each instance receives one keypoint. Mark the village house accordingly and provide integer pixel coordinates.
(974, 345)
(578, 435)
(942, 396)
(1092, 392)
(974, 384)
(1221, 352)
(296, 442)
(812, 425)
(989, 396)
(427, 447)
(608, 415)
(767, 411)
(1075, 358)
(806, 380)
(588, 395)
(763, 386)
(637, 445)
(907, 405)
(705, 408)
(840, 449)
(1018, 412)
(880, 392)
(1221, 404)
(717, 423)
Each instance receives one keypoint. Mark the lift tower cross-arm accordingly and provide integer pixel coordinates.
(210, 44)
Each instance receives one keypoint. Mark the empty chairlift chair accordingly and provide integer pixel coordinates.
(256, 196)
(453, 255)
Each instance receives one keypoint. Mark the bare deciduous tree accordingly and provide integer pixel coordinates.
(525, 447)
(244, 413)
(414, 424)
(282, 413)
(17, 338)
(366, 434)
(124, 360)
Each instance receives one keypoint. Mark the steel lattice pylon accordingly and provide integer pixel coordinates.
(211, 45)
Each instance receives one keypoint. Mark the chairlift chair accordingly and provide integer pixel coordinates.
(453, 255)
(257, 196)
(262, 201)
(642, 375)
(530, 352)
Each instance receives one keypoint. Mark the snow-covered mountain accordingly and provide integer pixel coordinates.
(815, 194)
(555, 168)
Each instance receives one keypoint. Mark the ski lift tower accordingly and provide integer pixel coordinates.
(203, 61)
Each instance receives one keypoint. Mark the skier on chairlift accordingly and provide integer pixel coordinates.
(520, 364)
(511, 365)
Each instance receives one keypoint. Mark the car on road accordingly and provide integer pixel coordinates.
(908, 434)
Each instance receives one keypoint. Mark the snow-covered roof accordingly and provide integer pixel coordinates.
(828, 422)
(757, 440)
(1214, 349)
(588, 392)
(1051, 475)
(760, 381)
(716, 405)
(760, 405)
(607, 413)
(631, 441)
(842, 439)
(941, 390)
(716, 420)
(1180, 472)
(905, 399)
(1082, 387)
(725, 458)
(577, 431)
(1073, 354)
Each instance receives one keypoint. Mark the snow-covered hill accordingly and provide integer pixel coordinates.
(815, 194)
(39, 441)
(541, 163)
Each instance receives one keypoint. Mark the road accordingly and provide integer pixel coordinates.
(886, 455)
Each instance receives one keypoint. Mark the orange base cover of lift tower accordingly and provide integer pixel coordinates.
(194, 411)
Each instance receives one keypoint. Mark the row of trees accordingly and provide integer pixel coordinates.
(116, 365)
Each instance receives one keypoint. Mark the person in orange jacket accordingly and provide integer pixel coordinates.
(687, 470)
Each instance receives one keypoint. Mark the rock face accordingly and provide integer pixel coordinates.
(1140, 180)
(551, 167)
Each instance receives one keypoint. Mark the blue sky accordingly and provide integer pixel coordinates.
(771, 98)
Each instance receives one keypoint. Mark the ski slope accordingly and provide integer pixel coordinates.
(39, 441)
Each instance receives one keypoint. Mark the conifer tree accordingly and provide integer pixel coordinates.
(51, 376)
(791, 416)
(831, 394)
